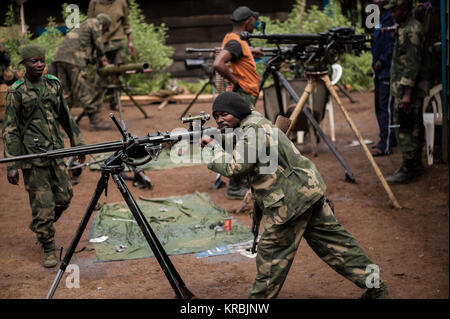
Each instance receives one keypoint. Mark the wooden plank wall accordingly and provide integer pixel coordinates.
(191, 23)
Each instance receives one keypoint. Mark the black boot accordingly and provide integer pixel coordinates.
(405, 174)
(237, 188)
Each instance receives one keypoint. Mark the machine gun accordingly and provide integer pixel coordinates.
(114, 74)
(315, 51)
(133, 151)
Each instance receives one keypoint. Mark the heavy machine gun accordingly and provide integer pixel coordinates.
(133, 151)
(315, 52)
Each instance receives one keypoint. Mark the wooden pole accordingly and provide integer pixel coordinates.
(300, 104)
(388, 190)
(22, 22)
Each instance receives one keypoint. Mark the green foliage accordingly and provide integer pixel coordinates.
(357, 70)
(149, 42)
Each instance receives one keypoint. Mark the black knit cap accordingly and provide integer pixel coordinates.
(231, 103)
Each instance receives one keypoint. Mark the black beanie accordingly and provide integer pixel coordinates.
(231, 103)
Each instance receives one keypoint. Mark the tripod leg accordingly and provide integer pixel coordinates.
(349, 174)
(134, 102)
(169, 270)
(101, 185)
(195, 99)
(388, 190)
(300, 104)
(311, 131)
(276, 81)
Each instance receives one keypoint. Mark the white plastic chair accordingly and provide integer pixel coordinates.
(335, 77)
(432, 119)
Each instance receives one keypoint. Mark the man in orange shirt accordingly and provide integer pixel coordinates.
(236, 62)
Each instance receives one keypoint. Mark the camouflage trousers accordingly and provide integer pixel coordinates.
(410, 134)
(250, 99)
(327, 238)
(49, 190)
(77, 86)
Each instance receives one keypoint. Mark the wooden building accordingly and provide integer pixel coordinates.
(191, 23)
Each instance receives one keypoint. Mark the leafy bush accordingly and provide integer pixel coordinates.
(149, 43)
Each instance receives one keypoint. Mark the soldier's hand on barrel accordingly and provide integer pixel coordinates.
(13, 176)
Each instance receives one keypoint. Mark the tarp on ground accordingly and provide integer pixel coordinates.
(183, 224)
(180, 155)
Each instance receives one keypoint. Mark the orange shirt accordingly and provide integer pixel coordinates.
(244, 69)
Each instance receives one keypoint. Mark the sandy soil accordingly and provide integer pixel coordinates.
(409, 245)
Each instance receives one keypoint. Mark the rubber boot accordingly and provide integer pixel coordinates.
(97, 124)
(376, 293)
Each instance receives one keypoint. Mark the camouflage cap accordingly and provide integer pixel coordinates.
(104, 19)
(31, 51)
(394, 3)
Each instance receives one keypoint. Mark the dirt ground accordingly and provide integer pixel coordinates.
(409, 245)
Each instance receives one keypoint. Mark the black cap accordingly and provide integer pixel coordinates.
(243, 13)
(232, 103)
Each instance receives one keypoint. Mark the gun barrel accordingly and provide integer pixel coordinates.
(137, 67)
(192, 50)
(107, 147)
(283, 38)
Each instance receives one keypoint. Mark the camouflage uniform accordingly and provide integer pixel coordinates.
(81, 46)
(405, 71)
(293, 204)
(114, 39)
(36, 113)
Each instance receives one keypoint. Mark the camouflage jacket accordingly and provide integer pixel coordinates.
(283, 182)
(118, 11)
(33, 114)
(82, 45)
(407, 59)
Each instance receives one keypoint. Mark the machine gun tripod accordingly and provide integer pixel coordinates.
(315, 52)
(126, 151)
(117, 85)
(206, 65)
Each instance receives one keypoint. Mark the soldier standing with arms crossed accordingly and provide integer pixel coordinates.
(35, 107)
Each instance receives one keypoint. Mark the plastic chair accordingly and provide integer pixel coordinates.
(335, 77)
(432, 119)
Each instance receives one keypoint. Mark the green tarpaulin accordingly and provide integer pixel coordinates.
(184, 224)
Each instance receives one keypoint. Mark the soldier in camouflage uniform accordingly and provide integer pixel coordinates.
(114, 39)
(291, 197)
(35, 108)
(407, 91)
(81, 46)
